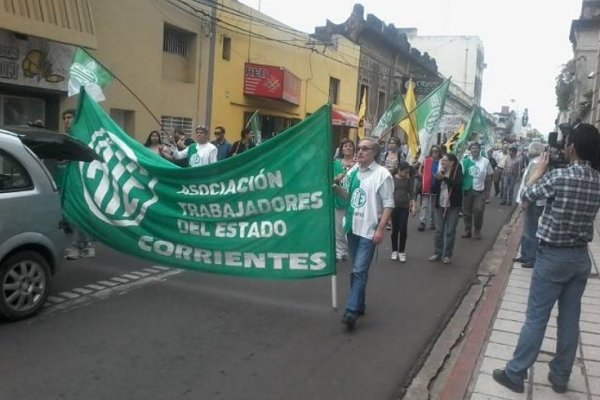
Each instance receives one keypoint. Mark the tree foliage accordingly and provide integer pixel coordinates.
(534, 133)
(565, 86)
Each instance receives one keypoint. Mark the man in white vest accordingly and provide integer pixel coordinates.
(371, 192)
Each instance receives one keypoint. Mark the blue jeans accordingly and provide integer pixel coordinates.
(559, 274)
(530, 224)
(509, 185)
(361, 252)
(445, 230)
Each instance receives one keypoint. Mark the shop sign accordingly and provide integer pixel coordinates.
(34, 62)
(272, 82)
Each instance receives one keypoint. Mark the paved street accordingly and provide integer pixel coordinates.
(117, 327)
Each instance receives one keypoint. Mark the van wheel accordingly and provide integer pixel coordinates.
(24, 285)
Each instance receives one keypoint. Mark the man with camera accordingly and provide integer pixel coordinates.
(562, 264)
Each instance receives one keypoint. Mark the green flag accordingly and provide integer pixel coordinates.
(429, 112)
(476, 129)
(267, 213)
(395, 113)
(255, 125)
(88, 73)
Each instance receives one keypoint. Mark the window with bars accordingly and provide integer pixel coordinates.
(170, 122)
(176, 42)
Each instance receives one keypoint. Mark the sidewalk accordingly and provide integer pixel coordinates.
(504, 332)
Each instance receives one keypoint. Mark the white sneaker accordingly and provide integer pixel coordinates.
(72, 253)
(394, 255)
(87, 252)
(402, 257)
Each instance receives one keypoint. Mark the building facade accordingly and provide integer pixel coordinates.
(584, 36)
(157, 49)
(37, 40)
(262, 64)
(461, 57)
(387, 62)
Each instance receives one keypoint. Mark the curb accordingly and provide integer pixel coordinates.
(457, 383)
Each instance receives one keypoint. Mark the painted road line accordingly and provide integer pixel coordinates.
(68, 295)
(95, 287)
(82, 291)
(108, 283)
(130, 276)
(106, 293)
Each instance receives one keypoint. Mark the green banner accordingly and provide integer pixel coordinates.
(395, 113)
(429, 112)
(266, 213)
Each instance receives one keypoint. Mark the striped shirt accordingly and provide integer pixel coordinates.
(573, 199)
(512, 166)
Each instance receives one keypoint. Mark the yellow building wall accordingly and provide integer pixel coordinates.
(254, 41)
(130, 44)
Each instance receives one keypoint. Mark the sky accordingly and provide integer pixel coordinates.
(526, 42)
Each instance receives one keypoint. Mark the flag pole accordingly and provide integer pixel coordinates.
(124, 85)
(250, 119)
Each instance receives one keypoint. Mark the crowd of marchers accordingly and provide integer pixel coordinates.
(440, 188)
(198, 150)
(375, 185)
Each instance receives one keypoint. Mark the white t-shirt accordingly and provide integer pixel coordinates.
(371, 190)
(199, 154)
(480, 169)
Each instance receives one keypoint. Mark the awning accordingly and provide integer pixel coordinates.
(345, 118)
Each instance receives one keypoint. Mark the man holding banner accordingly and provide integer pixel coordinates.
(371, 188)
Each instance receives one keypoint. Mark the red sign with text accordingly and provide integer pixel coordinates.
(272, 82)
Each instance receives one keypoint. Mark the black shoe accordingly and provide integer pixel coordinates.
(557, 388)
(502, 203)
(349, 319)
(500, 377)
(361, 312)
(421, 227)
(527, 265)
(466, 235)
(519, 259)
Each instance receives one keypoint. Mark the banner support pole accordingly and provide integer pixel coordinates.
(334, 292)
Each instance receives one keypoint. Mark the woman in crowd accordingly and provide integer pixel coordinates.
(404, 204)
(340, 169)
(246, 142)
(154, 142)
(393, 155)
(449, 178)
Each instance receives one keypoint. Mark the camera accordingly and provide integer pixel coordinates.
(556, 145)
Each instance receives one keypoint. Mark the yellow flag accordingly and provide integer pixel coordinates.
(409, 125)
(454, 138)
(362, 113)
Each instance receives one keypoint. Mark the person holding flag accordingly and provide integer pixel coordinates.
(246, 142)
(477, 179)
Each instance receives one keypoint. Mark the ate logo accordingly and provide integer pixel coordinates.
(118, 190)
(474, 170)
(358, 199)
